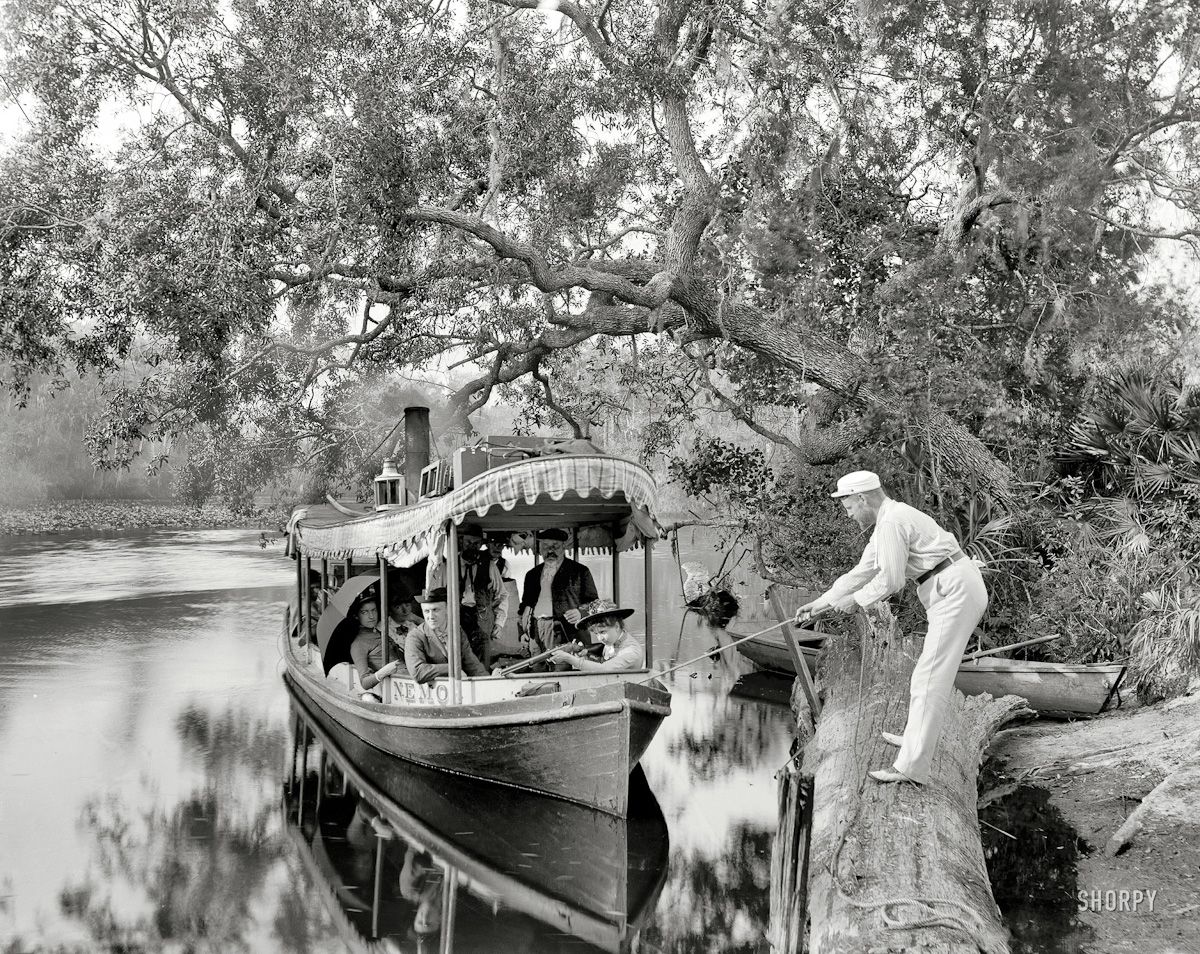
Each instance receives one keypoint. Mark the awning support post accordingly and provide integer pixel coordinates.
(648, 546)
(384, 624)
(616, 571)
(454, 625)
(306, 607)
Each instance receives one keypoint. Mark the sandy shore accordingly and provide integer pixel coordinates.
(1137, 894)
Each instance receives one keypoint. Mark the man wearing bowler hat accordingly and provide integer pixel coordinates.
(425, 650)
(907, 545)
(554, 591)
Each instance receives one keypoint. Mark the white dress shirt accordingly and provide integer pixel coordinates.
(545, 603)
(903, 545)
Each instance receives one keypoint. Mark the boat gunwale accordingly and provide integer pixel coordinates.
(534, 709)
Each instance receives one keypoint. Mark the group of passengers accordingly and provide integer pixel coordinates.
(560, 616)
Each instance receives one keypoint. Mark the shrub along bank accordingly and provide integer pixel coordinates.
(63, 516)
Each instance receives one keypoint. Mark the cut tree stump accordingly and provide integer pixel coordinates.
(896, 867)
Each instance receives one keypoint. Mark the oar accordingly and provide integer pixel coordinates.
(1004, 649)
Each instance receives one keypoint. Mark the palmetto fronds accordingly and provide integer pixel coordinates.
(1165, 644)
(1142, 440)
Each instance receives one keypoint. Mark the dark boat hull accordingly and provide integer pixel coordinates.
(585, 873)
(578, 745)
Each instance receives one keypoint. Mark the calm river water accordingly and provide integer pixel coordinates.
(145, 734)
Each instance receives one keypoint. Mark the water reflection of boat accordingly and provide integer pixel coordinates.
(416, 859)
(574, 734)
(1051, 689)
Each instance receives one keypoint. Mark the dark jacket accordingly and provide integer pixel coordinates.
(571, 588)
(425, 655)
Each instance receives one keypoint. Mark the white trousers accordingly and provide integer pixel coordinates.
(954, 602)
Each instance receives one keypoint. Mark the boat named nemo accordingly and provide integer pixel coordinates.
(575, 735)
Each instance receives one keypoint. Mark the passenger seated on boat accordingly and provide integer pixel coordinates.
(366, 651)
(404, 615)
(603, 620)
(425, 645)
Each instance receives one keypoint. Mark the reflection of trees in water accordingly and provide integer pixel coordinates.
(195, 876)
(1034, 878)
(230, 742)
(715, 904)
(742, 736)
(188, 875)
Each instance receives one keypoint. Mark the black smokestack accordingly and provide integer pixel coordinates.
(416, 449)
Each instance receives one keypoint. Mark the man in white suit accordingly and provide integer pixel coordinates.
(908, 545)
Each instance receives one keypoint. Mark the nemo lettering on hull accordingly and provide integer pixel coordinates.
(415, 694)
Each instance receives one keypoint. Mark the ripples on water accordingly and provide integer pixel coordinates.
(144, 732)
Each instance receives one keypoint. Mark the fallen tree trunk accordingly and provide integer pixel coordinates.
(896, 867)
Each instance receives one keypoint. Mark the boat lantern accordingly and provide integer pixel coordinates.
(389, 486)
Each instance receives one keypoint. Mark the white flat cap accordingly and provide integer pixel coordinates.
(856, 483)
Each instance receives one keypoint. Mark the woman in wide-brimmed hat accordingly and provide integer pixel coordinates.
(604, 622)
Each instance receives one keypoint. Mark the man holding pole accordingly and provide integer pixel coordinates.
(907, 545)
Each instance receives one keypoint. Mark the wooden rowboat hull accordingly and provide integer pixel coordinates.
(1051, 689)
(579, 745)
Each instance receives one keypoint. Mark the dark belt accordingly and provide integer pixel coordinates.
(941, 565)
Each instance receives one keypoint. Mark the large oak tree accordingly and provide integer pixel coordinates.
(929, 211)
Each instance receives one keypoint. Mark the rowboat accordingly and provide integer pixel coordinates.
(1059, 690)
(574, 735)
(401, 851)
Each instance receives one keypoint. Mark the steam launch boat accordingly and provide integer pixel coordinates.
(408, 858)
(576, 735)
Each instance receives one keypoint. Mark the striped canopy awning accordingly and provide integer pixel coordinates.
(607, 499)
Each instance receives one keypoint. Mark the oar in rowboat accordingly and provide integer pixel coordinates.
(1004, 649)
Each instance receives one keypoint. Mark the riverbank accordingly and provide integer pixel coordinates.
(1127, 894)
(62, 516)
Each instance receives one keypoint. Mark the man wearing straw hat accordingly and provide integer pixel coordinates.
(907, 545)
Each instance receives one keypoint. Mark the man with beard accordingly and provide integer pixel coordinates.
(907, 545)
(553, 593)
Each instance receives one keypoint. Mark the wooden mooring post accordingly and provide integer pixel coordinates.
(789, 861)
